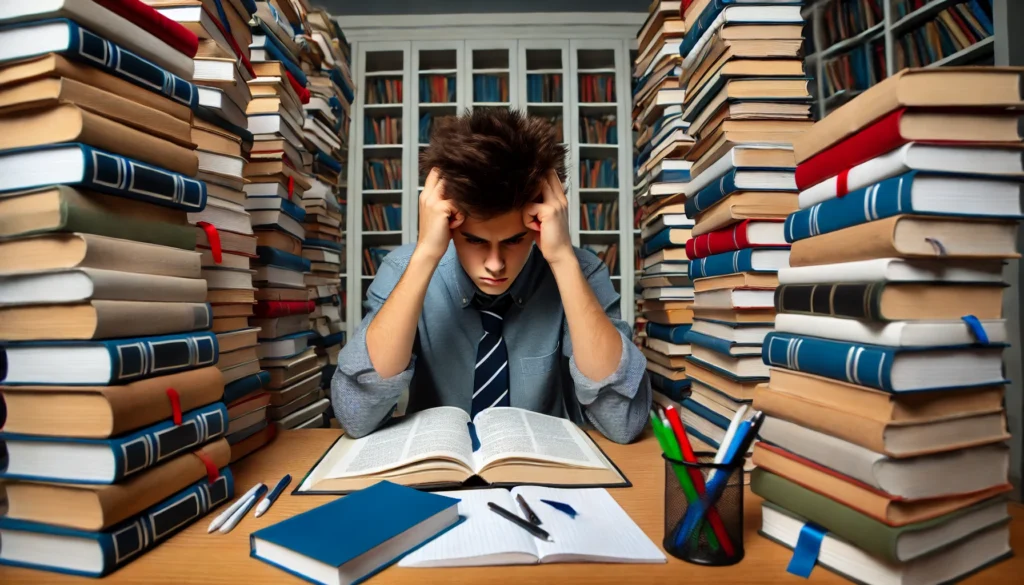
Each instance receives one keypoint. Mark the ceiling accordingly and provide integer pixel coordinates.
(393, 7)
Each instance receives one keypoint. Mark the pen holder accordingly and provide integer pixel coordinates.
(717, 539)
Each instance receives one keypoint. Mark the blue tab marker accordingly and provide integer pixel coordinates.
(805, 555)
(976, 329)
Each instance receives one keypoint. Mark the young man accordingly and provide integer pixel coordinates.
(493, 306)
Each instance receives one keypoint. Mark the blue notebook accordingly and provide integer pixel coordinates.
(358, 535)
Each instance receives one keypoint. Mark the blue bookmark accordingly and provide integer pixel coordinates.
(805, 554)
(472, 436)
(976, 329)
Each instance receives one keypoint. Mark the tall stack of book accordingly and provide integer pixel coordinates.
(664, 290)
(746, 101)
(112, 392)
(886, 425)
(332, 93)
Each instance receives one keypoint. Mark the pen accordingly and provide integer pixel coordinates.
(534, 530)
(242, 511)
(273, 495)
(223, 516)
(533, 518)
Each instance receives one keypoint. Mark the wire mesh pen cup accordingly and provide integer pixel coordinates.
(716, 539)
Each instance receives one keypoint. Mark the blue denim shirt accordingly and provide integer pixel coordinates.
(543, 376)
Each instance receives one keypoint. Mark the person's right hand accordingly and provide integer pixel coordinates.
(438, 217)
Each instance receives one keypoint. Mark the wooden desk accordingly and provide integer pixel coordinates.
(193, 556)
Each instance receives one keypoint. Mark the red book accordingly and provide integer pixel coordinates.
(302, 92)
(147, 18)
(749, 233)
(271, 309)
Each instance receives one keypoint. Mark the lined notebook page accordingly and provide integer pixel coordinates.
(601, 532)
(485, 538)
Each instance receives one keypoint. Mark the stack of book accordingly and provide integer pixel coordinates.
(110, 379)
(886, 424)
(746, 100)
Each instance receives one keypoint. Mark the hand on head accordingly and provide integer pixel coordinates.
(438, 217)
(548, 215)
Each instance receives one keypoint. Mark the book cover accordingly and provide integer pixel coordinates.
(746, 260)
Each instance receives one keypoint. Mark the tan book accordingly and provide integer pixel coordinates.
(236, 196)
(674, 374)
(737, 390)
(69, 123)
(859, 496)
(236, 357)
(780, 156)
(232, 310)
(98, 412)
(224, 324)
(95, 507)
(232, 340)
(737, 315)
(290, 365)
(229, 296)
(276, 171)
(232, 183)
(278, 412)
(905, 236)
(76, 250)
(281, 294)
(936, 87)
(675, 362)
(56, 66)
(216, 142)
(888, 438)
(101, 320)
(214, 129)
(719, 51)
(73, 285)
(284, 377)
(757, 88)
(51, 92)
(719, 110)
(237, 372)
(663, 18)
(230, 241)
(715, 142)
(745, 205)
(884, 406)
(589, 467)
(669, 317)
(290, 393)
(739, 280)
(276, 87)
(280, 240)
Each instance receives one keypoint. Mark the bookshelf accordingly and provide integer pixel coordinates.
(852, 44)
(544, 77)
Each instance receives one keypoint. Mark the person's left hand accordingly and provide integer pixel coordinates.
(549, 217)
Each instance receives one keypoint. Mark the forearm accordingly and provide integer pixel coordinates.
(596, 343)
(391, 334)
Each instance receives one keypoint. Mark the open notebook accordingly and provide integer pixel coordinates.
(433, 448)
(602, 532)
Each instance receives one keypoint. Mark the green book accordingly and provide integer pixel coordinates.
(64, 209)
(895, 544)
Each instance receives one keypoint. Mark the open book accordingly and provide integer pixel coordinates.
(434, 448)
(602, 532)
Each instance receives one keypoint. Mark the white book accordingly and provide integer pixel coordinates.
(317, 422)
(668, 49)
(96, 19)
(919, 157)
(282, 347)
(602, 532)
(319, 104)
(271, 126)
(951, 565)
(895, 270)
(714, 402)
(744, 14)
(738, 366)
(669, 292)
(668, 268)
(667, 348)
(216, 69)
(280, 277)
(275, 218)
(304, 415)
(85, 284)
(667, 280)
(892, 333)
(224, 215)
(235, 261)
(215, 99)
(735, 333)
(727, 298)
(226, 278)
(224, 164)
(912, 478)
(723, 165)
(253, 190)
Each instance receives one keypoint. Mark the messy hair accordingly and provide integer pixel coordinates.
(493, 160)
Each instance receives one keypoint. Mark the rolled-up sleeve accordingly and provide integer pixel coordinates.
(618, 405)
(361, 398)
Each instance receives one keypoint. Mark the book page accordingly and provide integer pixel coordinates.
(601, 531)
(436, 432)
(508, 433)
(485, 538)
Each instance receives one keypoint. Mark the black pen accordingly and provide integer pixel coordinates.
(534, 530)
(533, 518)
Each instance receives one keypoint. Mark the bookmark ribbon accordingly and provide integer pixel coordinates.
(172, 394)
(976, 329)
(472, 435)
(291, 187)
(212, 473)
(213, 237)
(843, 184)
(805, 554)
(937, 245)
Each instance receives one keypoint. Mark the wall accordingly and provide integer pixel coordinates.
(366, 7)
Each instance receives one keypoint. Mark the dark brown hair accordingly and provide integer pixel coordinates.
(493, 160)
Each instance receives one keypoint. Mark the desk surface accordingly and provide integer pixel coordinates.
(193, 556)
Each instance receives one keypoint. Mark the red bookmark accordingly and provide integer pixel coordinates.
(842, 183)
(175, 405)
(291, 187)
(212, 473)
(213, 237)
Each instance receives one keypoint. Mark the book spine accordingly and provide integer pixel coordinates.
(711, 194)
(714, 344)
(856, 177)
(97, 51)
(88, 221)
(721, 264)
(850, 362)
(877, 139)
(706, 413)
(671, 334)
(674, 389)
(118, 175)
(152, 445)
(134, 359)
(271, 309)
(881, 200)
(720, 241)
(852, 301)
(658, 241)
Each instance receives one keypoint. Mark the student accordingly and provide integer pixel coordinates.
(493, 306)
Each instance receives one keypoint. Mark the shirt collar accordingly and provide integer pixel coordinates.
(520, 291)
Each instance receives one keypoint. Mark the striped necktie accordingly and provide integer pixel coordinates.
(490, 381)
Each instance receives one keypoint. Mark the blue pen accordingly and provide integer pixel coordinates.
(272, 496)
(714, 487)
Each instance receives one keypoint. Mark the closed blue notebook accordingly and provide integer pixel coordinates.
(341, 531)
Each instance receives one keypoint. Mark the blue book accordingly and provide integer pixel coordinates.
(273, 257)
(83, 166)
(982, 17)
(278, 52)
(666, 238)
(724, 372)
(106, 461)
(739, 180)
(321, 244)
(674, 389)
(889, 369)
(245, 386)
(80, 44)
(334, 537)
(94, 554)
(243, 434)
(910, 193)
(105, 362)
(290, 208)
(718, 345)
(669, 333)
(328, 340)
(338, 79)
(711, 12)
(746, 260)
(706, 413)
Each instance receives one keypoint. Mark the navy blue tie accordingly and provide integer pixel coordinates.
(490, 381)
